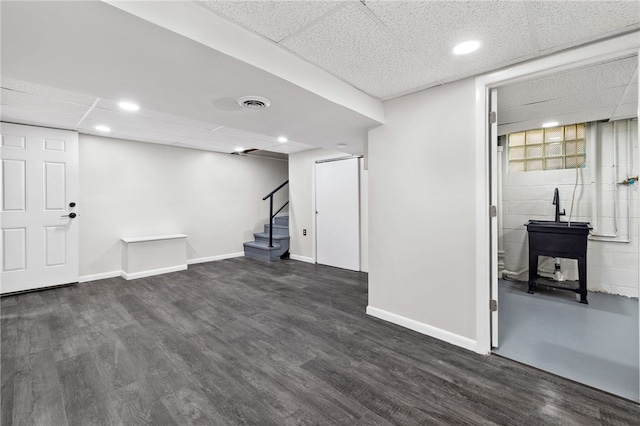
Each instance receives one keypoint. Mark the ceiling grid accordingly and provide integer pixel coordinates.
(530, 8)
(87, 113)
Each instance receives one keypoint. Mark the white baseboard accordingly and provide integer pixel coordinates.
(447, 336)
(101, 276)
(214, 258)
(153, 272)
(113, 274)
(301, 258)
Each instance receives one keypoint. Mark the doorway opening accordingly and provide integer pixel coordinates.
(566, 156)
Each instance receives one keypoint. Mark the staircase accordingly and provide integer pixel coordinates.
(260, 250)
(272, 244)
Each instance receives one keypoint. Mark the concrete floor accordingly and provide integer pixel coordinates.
(595, 344)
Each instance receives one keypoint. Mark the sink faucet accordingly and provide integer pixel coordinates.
(556, 202)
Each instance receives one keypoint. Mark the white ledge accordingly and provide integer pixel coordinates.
(152, 238)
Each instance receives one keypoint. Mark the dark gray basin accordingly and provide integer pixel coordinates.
(550, 226)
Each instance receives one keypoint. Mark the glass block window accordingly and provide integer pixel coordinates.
(548, 149)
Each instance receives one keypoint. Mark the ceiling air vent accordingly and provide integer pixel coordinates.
(254, 102)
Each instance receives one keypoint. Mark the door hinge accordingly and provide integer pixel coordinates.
(493, 305)
(493, 211)
(493, 117)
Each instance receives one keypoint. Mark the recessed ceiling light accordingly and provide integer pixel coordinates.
(282, 139)
(239, 149)
(102, 128)
(466, 47)
(341, 145)
(128, 106)
(550, 124)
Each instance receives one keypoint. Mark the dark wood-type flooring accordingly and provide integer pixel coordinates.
(244, 342)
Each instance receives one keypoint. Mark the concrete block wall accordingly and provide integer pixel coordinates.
(612, 267)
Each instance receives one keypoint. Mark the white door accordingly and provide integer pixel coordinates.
(493, 155)
(39, 205)
(338, 213)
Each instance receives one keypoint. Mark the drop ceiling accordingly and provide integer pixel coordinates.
(390, 48)
(35, 104)
(88, 51)
(602, 91)
(325, 65)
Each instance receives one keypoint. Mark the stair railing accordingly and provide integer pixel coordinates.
(271, 213)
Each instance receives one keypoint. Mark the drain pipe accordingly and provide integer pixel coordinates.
(614, 168)
(548, 274)
(514, 274)
(629, 161)
(597, 236)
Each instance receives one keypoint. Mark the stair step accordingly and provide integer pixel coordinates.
(280, 239)
(260, 250)
(281, 219)
(262, 245)
(277, 229)
(265, 235)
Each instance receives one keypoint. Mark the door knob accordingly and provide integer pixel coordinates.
(70, 215)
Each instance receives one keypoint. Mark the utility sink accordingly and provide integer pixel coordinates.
(552, 226)
(558, 239)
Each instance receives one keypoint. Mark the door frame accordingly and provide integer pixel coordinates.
(627, 44)
(493, 200)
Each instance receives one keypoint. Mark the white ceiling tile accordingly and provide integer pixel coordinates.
(549, 109)
(563, 24)
(132, 133)
(130, 136)
(290, 148)
(237, 133)
(220, 142)
(39, 103)
(256, 138)
(45, 91)
(160, 116)
(569, 83)
(583, 94)
(235, 140)
(19, 115)
(274, 20)
(123, 119)
(631, 95)
(625, 111)
(569, 118)
(207, 145)
(430, 29)
(351, 45)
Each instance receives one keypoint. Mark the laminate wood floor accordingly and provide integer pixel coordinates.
(244, 342)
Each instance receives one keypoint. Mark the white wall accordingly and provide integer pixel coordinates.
(130, 189)
(422, 211)
(302, 205)
(612, 267)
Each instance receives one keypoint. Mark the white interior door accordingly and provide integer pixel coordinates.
(493, 155)
(338, 213)
(39, 205)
